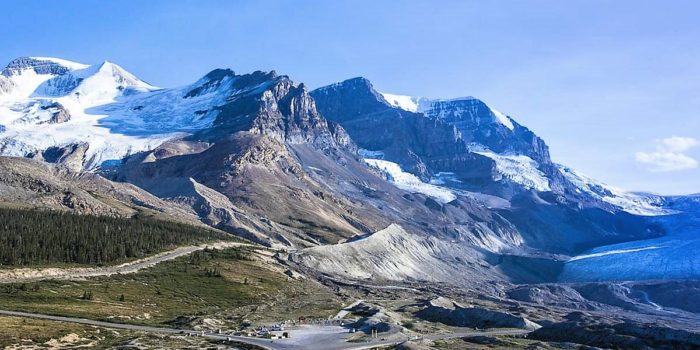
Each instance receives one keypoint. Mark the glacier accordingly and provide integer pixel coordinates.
(112, 111)
(519, 169)
(670, 257)
(409, 182)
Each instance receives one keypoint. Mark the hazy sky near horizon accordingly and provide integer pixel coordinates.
(612, 86)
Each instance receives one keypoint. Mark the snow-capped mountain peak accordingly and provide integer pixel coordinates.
(48, 103)
(22, 76)
(102, 83)
(41, 66)
(468, 105)
(124, 77)
(93, 85)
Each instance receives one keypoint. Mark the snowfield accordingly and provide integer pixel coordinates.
(519, 169)
(112, 111)
(409, 182)
(407, 103)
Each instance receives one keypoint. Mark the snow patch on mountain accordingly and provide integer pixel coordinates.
(633, 203)
(407, 103)
(519, 169)
(409, 182)
(502, 118)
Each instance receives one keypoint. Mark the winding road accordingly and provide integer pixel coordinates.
(308, 338)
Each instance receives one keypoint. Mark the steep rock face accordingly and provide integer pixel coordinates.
(71, 156)
(248, 162)
(464, 144)
(273, 169)
(59, 113)
(480, 124)
(464, 137)
(418, 144)
(265, 103)
(448, 312)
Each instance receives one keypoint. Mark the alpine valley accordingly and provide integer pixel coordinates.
(428, 215)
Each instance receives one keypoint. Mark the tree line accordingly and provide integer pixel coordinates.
(31, 236)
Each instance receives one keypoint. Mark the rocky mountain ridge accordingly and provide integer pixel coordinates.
(261, 156)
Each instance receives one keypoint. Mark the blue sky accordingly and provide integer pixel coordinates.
(612, 86)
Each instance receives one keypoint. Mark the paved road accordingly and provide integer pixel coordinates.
(38, 274)
(308, 338)
(260, 342)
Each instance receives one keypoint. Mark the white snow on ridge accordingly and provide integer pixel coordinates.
(502, 118)
(407, 103)
(520, 169)
(409, 182)
(422, 105)
(65, 63)
(630, 202)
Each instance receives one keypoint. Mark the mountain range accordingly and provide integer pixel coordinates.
(465, 189)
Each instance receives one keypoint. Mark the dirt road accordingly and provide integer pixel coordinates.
(38, 274)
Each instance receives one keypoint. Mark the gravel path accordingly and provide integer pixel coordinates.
(37, 274)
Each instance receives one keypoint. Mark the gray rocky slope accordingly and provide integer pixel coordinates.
(465, 138)
(273, 169)
(284, 166)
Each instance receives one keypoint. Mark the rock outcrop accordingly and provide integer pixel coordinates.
(449, 312)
